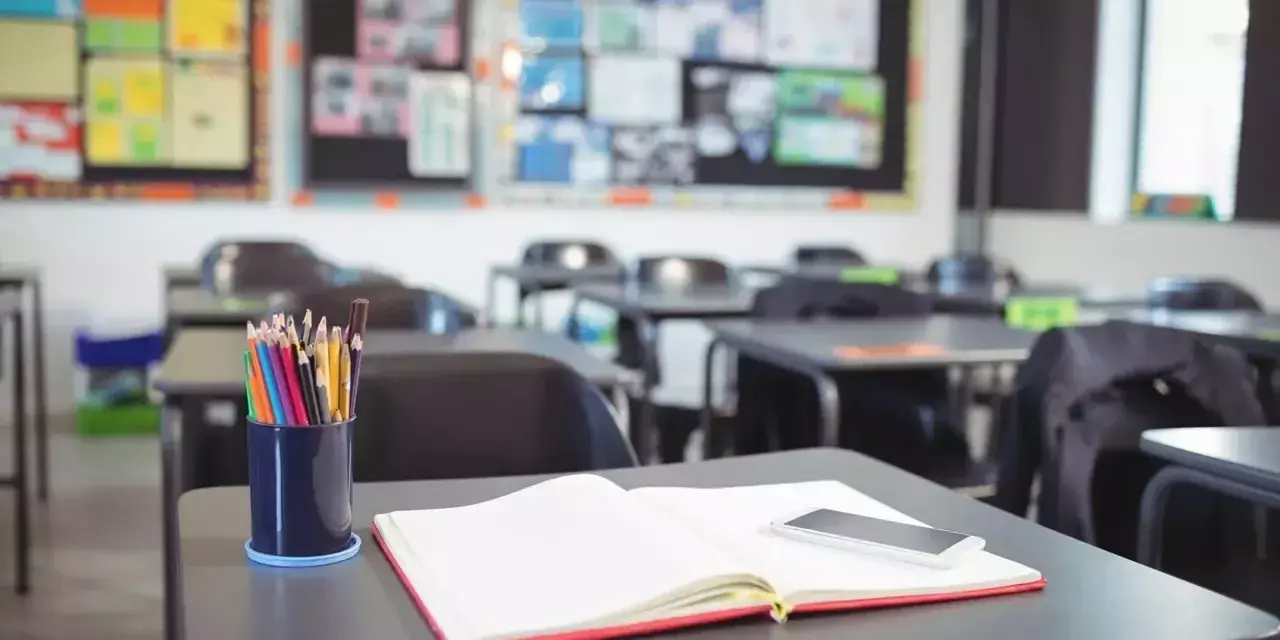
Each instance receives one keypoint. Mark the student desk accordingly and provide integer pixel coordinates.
(179, 276)
(11, 313)
(812, 348)
(187, 307)
(649, 307)
(1091, 593)
(24, 281)
(538, 278)
(1243, 462)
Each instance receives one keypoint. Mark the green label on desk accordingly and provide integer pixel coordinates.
(1041, 314)
(870, 275)
(1269, 334)
(243, 304)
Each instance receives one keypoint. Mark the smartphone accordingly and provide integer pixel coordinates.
(922, 545)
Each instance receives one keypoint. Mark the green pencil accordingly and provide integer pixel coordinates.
(248, 388)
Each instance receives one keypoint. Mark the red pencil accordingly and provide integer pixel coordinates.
(295, 388)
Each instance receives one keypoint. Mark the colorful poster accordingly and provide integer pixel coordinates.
(550, 24)
(210, 115)
(440, 134)
(562, 150)
(709, 29)
(39, 142)
(38, 61)
(823, 34)
(209, 27)
(653, 155)
(57, 9)
(133, 26)
(408, 31)
(830, 119)
(350, 99)
(125, 107)
(551, 82)
(634, 90)
(734, 111)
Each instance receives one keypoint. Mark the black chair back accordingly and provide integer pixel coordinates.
(258, 274)
(817, 254)
(570, 254)
(481, 414)
(391, 306)
(680, 272)
(964, 269)
(1183, 293)
(230, 249)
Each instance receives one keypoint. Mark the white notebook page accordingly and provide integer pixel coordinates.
(560, 553)
(740, 517)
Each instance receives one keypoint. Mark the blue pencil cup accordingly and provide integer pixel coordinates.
(300, 493)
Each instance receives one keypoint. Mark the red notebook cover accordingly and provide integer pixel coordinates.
(681, 622)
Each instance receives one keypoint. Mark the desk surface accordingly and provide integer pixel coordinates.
(1252, 332)
(182, 275)
(963, 340)
(1091, 593)
(19, 275)
(547, 275)
(630, 300)
(193, 305)
(207, 361)
(1250, 455)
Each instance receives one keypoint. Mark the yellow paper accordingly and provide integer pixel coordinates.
(105, 142)
(211, 116)
(144, 92)
(38, 60)
(208, 27)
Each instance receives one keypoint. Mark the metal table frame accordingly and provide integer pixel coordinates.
(24, 283)
(18, 479)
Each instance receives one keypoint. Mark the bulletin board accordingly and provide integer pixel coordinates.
(134, 99)
(388, 102)
(806, 103)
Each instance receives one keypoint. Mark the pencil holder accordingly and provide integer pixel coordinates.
(300, 493)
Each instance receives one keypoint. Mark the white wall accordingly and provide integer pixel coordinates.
(105, 259)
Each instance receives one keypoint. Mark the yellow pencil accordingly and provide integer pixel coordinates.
(322, 364)
(335, 363)
(344, 380)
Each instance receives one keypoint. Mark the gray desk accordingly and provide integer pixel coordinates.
(811, 349)
(11, 310)
(648, 307)
(537, 278)
(26, 281)
(1254, 333)
(179, 276)
(991, 298)
(1243, 462)
(823, 270)
(203, 367)
(1091, 593)
(196, 307)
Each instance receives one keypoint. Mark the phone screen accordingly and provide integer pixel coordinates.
(874, 530)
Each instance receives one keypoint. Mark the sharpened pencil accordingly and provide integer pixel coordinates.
(309, 387)
(357, 354)
(306, 327)
(344, 381)
(322, 362)
(335, 366)
(322, 399)
(262, 403)
(291, 377)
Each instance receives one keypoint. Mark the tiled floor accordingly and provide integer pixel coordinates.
(97, 544)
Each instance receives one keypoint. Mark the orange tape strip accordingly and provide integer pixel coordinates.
(262, 48)
(475, 201)
(846, 200)
(907, 349)
(161, 191)
(630, 197)
(303, 198)
(387, 200)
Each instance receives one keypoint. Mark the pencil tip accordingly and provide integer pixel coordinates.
(357, 342)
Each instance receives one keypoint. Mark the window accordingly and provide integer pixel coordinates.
(1189, 112)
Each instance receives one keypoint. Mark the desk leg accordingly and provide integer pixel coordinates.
(42, 396)
(571, 328)
(490, 297)
(171, 489)
(711, 448)
(22, 500)
(829, 405)
(647, 422)
(539, 312)
(1156, 496)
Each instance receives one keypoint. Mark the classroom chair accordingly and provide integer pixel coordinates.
(903, 417)
(820, 254)
(561, 253)
(391, 306)
(251, 273)
(1082, 399)
(1189, 293)
(226, 248)
(677, 408)
(427, 417)
(963, 269)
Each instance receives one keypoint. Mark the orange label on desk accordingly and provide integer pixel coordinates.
(904, 350)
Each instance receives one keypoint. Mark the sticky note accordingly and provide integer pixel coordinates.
(1041, 314)
(870, 275)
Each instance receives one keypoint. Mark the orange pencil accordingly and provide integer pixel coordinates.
(261, 403)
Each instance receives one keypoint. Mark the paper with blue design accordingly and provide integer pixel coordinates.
(579, 553)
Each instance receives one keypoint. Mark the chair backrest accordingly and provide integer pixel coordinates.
(570, 254)
(966, 269)
(231, 249)
(259, 273)
(1184, 293)
(807, 298)
(816, 254)
(391, 306)
(681, 272)
(467, 415)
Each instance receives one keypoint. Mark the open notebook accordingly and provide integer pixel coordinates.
(579, 557)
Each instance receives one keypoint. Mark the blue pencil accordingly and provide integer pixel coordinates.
(273, 393)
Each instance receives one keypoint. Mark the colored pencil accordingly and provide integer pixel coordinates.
(262, 403)
(357, 354)
(282, 384)
(269, 382)
(309, 387)
(248, 385)
(357, 318)
(306, 327)
(293, 349)
(335, 367)
(344, 381)
(322, 354)
(291, 377)
(322, 399)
